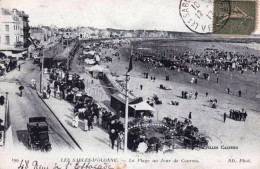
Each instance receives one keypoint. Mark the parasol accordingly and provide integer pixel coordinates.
(78, 94)
(142, 147)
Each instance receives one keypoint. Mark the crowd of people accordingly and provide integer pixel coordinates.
(209, 58)
(238, 115)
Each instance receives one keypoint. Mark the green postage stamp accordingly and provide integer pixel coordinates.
(235, 17)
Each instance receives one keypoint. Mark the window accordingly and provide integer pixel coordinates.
(14, 27)
(7, 40)
(7, 28)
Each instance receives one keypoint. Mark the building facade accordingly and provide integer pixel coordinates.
(14, 32)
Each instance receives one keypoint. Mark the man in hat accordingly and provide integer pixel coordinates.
(245, 115)
(196, 95)
(90, 122)
(113, 136)
(225, 116)
(190, 115)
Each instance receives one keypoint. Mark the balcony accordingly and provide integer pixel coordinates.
(18, 44)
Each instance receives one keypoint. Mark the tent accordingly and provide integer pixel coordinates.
(97, 71)
(257, 96)
(141, 107)
(87, 47)
(136, 105)
(89, 52)
(97, 68)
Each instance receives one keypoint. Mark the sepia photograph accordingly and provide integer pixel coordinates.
(122, 84)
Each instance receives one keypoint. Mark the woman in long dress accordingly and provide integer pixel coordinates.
(76, 120)
(86, 124)
(95, 120)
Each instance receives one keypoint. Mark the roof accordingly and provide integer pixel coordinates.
(121, 97)
(142, 106)
(63, 55)
(6, 11)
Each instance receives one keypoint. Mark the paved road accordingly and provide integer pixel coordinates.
(30, 105)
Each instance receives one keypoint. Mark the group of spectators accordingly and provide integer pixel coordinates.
(238, 115)
(7, 65)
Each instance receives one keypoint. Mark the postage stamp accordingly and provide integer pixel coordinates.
(241, 20)
(198, 15)
(224, 17)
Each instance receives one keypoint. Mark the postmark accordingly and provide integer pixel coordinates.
(242, 19)
(200, 15)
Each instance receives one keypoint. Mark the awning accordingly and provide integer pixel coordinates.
(90, 61)
(24, 52)
(142, 106)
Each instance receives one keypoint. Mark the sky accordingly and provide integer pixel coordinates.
(119, 14)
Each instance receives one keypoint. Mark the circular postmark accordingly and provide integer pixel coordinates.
(205, 16)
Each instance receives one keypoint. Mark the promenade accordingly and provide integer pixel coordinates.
(97, 139)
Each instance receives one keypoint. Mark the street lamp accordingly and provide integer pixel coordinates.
(6, 97)
(126, 115)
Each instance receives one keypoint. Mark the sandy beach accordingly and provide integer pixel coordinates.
(207, 119)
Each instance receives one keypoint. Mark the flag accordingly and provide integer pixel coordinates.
(130, 64)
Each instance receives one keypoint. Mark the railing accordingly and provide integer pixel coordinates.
(7, 120)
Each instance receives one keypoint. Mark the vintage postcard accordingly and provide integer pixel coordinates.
(129, 84)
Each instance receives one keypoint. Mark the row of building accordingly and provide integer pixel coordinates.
(94, 33)
(89, 32)
(18, 39)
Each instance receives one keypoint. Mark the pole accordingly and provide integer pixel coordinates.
(126, 115)
(157, 115)
(41, 77)
(68, 54)
(7, 120)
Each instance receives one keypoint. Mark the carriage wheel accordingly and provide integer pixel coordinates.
(197, 148)
(29, 143)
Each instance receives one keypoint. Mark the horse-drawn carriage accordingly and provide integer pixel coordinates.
(38, 137)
